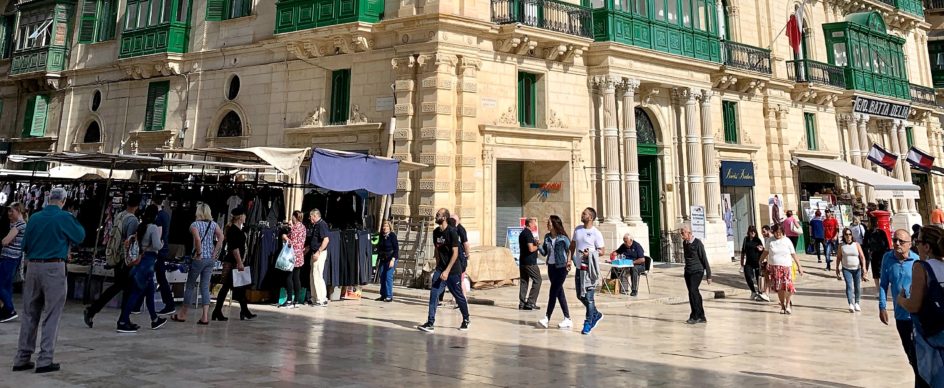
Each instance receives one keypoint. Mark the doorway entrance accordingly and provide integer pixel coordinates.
(737, 212)
(509, 206)
(650, 188)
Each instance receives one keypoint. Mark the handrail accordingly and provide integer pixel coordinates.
(816, 72)
(546, 14)
(745, 57)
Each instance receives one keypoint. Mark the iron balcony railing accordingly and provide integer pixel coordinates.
(744, 57)
(546, 14)
(816, 72)
(922, 95)
(934, 4)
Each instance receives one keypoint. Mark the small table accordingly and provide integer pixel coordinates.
(620, 266)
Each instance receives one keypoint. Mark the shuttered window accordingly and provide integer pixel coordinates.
(729, 116)
(909, 136)
(340, 96)
(7, 26)
(218, 10)
(809, 120)
(156, 106)
(98, 21)
(527, 91)
(34, 123)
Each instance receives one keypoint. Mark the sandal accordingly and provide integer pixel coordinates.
(176, 319)
(203, 323)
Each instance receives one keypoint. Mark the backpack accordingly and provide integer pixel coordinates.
(931, 315)
(115, 251)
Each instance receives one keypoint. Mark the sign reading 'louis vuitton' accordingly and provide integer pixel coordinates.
(881, 108)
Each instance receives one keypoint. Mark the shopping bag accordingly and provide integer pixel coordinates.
(286, 260)
(242, 278)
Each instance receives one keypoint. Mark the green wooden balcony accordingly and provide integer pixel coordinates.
(297, 15)
(882, 84)
(638, 30)
(48, 59)
(163, 38)
(545, 14)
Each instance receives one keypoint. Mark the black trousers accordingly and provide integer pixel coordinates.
(530, 279)
(293, 285)
(906, 333)
(239, 293)
(122, 283)
(751, 273)
(692, 282)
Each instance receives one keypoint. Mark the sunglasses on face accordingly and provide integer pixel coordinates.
(900, 241)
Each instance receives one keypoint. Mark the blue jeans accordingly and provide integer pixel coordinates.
(386, 279)
(201, 269)
(587, 300)
(454, 283)
(853, 279)
(160, 269)
(8, 269)
(830, 248)
(142, 286)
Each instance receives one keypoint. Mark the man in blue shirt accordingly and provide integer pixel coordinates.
(896, 273)
(46, 243)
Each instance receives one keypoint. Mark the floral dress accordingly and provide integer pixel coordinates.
(297, 239)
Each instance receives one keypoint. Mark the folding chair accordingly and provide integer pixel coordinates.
(646, 273)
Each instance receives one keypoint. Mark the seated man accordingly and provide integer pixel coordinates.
(630, 250)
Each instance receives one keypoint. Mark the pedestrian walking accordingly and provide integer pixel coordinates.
(318, 245)
(751, 251)
(585, 249)
(235, 255)
(915, 229)
(46, 243)
(293, 279)
(792, 228)
(629, 250)
(160, 266)
(530, 273)
(10, 258)
(937, 216)
(852, 263)
(148, 240)
(858, 233)
(925, 302)
(555, 248)
(896, 274)
(388, 252)
(877, 241)
(124, 226)
(207, 243)
(818, 234)
(447, 273)
(696, 268)
(831, 232)
(779, 257)
(463, 254)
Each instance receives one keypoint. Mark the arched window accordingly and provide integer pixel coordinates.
(230, 126)
(93, 134)
(645, 131)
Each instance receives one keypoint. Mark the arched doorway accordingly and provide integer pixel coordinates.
(230, 126)
(649, 185)
(93, 134)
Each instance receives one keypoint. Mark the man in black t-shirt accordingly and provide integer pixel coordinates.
(463, 250)
(528, 268)
(448, 272)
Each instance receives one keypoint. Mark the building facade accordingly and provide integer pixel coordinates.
(521, 108)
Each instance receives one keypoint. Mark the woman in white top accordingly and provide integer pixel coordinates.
(852, 262)
(779, 257)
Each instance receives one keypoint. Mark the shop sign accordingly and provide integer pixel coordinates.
(511, 241)
(881, 108)
(698, 222)
(737, 174)
(545, 189)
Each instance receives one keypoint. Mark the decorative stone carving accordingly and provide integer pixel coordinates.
(356, 116)
(551, 53)
(726, 81)
(753, 87)
(315, 118)
(554, 121)
(510, 117)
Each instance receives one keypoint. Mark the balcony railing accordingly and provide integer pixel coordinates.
(744, 57)
(933, 4)
(816, 72)
(922, 95)
(546, 14)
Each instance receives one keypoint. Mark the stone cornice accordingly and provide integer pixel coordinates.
(543, 133)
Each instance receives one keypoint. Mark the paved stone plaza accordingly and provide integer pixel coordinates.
(366, 343)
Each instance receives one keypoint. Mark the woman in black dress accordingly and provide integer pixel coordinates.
(235, 253)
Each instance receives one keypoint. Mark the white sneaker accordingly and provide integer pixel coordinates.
(565, 324)
(857, 307)
(544, 322)
(851, 308)
(765, 297)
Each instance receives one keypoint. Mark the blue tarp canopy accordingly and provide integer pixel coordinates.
(349, 171)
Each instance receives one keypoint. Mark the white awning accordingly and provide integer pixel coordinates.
(885, 187)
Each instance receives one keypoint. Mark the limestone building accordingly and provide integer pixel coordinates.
(639, 108)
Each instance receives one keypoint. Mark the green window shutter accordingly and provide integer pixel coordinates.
(729, 114)
(810, 122)
(108, 20)
(526, 99)
(216, 9)
(34, 123)
(87, 21)
(156, 106)
(28, 116)
(5, 38)
(909, 135)
(340, 96)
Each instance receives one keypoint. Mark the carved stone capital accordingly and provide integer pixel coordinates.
(629, 86)
(404, 66)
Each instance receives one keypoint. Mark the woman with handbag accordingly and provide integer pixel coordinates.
(207, 242)
(779, 257)
(791, 228)
(388, 250)
(296, 239)
(235, 251)
(927, 287)
(148, 243)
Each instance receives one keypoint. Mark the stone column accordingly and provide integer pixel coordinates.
(607, 86)
(903, 161)
(862, 122)
(896, 148)
(696, 187)
(711, 167)
(630, 151)
(856, 150)
(681, 192)
(771, 130)
(468, 144)
(404, 87)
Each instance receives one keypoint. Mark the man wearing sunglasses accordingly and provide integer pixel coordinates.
(896, 273)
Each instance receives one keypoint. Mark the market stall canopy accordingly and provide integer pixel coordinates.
(885, 187)
(286, 160)
(93, 160)
(349, 171)
(87, 173)
(23, 173)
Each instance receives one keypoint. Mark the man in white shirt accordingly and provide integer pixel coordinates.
(586, 248)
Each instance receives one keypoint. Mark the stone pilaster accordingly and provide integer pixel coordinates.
(630, 152)
(855, 154)
(437, 121)
(467, 142)
(862, 122)
(607, 87)
(712, 168)
(696, 184)
(404, 90)
(896, 149)
(903, 162)
(773, 152)
(682, 192)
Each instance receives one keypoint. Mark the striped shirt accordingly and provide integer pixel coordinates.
(14, 250)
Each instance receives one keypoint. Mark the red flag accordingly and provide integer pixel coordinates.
(879, 156)
(920, 160)
(794, 34)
